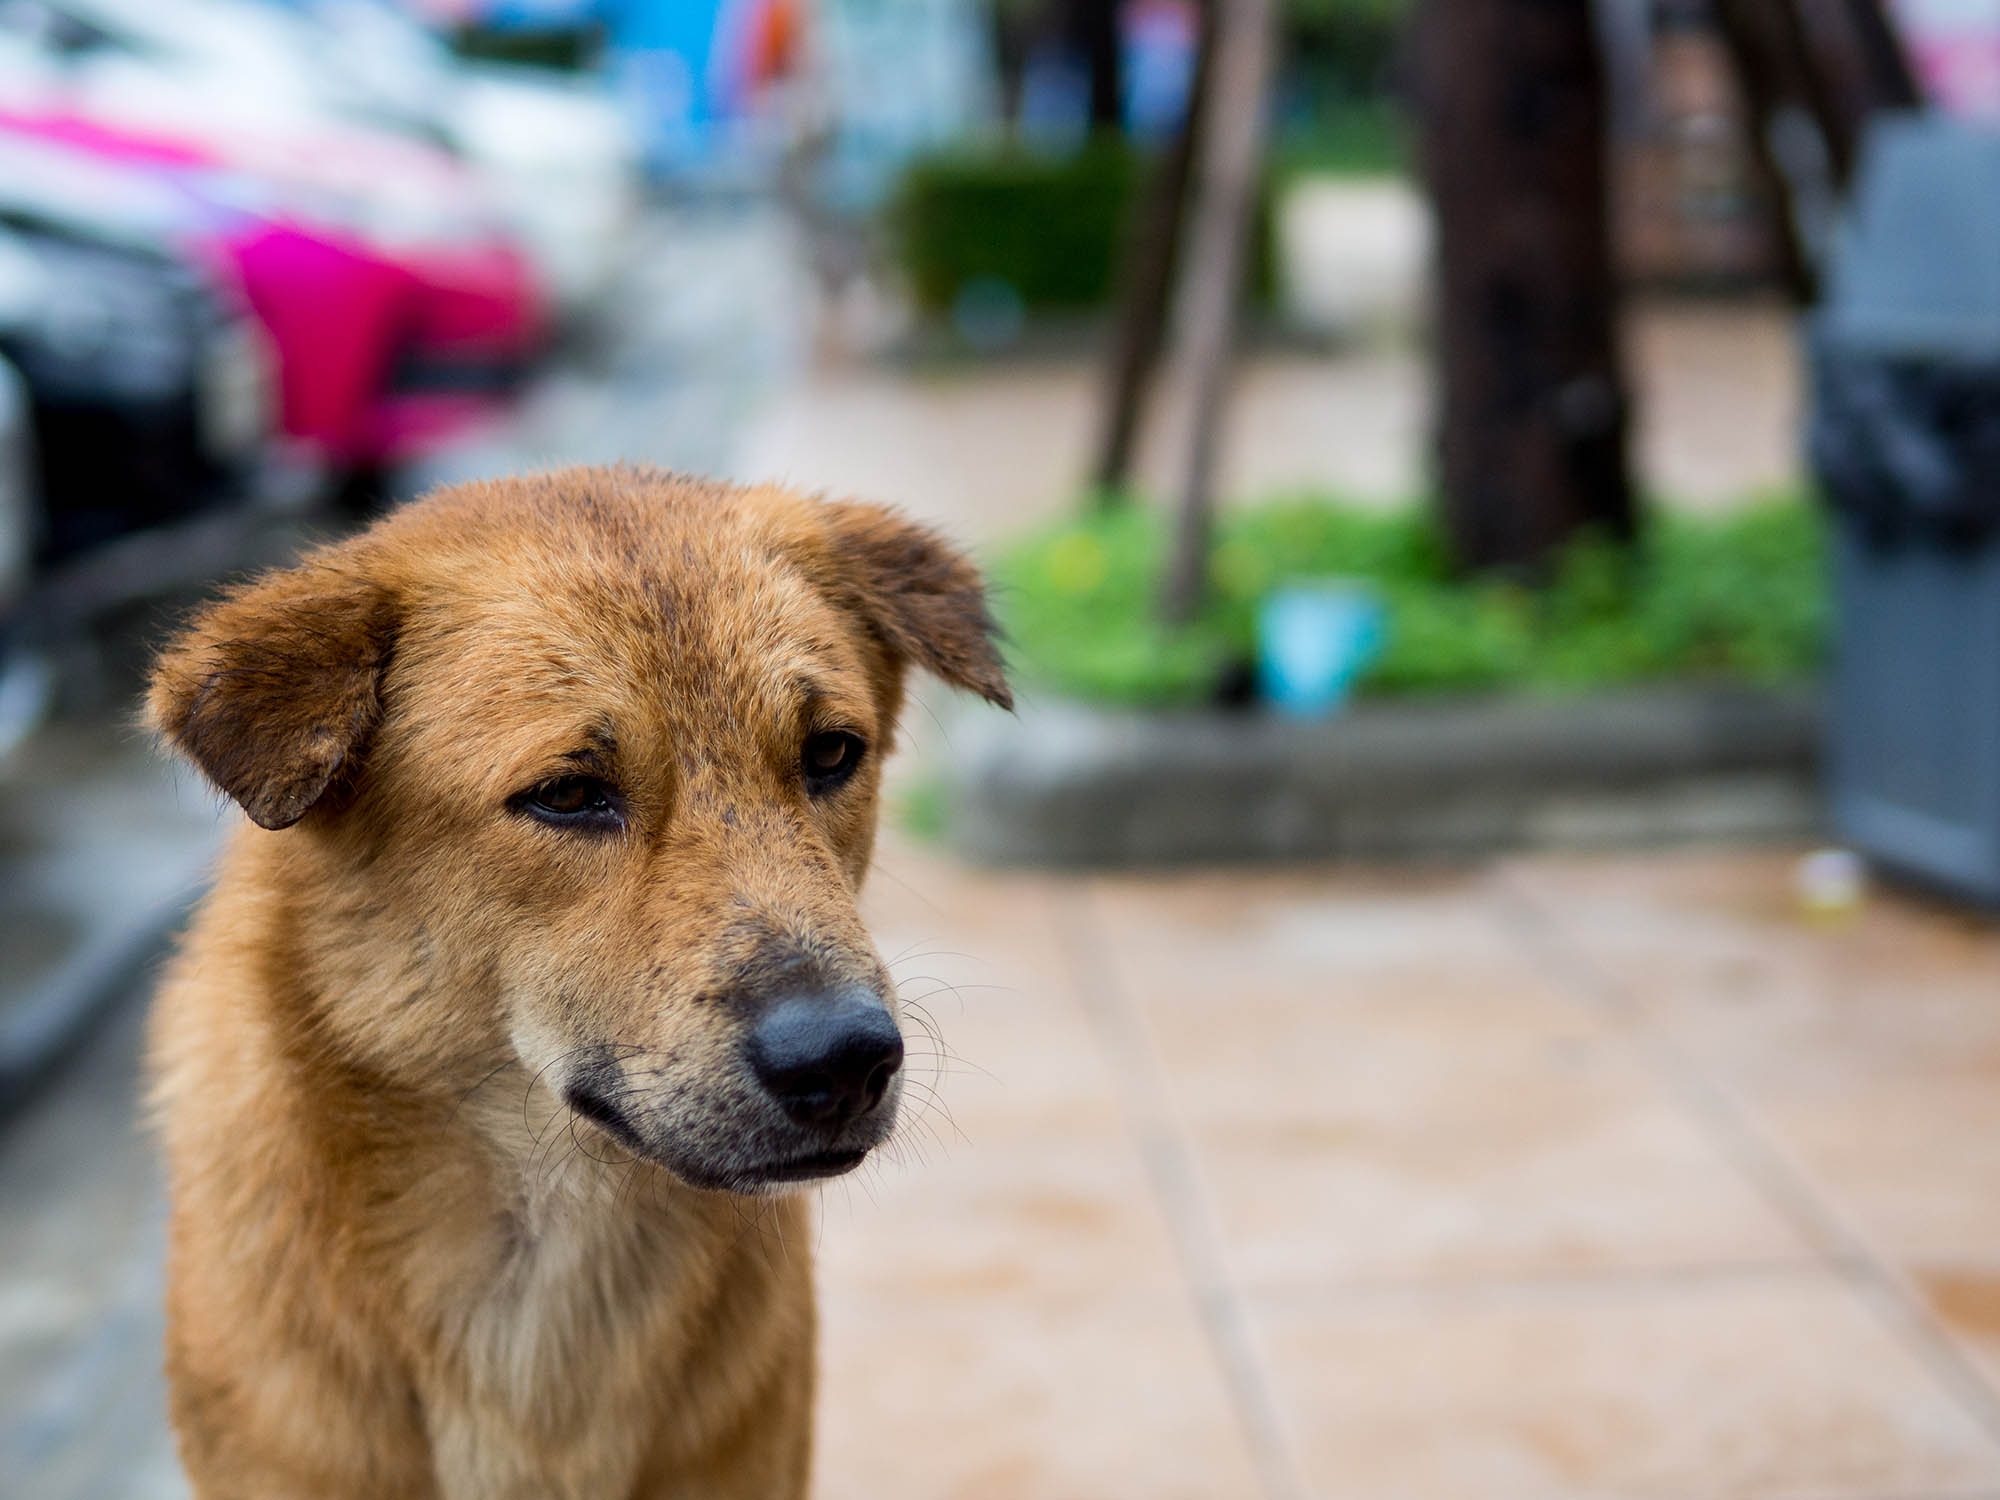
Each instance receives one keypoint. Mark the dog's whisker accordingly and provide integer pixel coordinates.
(919, 953)
(507, 1060)
(933, 1112)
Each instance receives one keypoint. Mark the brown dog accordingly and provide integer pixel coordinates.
(465, 1074)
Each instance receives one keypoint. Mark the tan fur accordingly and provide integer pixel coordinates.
(401, 1264)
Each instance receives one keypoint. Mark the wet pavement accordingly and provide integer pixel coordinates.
(1552, 1177)
(82, 1413)
(990, 448)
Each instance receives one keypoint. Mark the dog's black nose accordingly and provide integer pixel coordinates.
(827, 1059)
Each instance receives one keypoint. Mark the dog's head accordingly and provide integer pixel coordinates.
(582, 771)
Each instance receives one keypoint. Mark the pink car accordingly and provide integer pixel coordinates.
(390, 337)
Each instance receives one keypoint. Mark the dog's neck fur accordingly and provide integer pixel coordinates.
(585, 1241)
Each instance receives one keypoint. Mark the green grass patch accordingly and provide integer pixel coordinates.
(1738, 597)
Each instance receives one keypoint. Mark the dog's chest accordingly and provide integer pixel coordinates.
(557, 1319)
(575, 1297)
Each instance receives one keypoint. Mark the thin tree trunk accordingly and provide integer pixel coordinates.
(1763, 79)
(1534, 411)
(1094, 28)
(1891, 80)
(1857, 64)
(1231, 150)
(1835, 111)
(1832, 63)
(1152, 252)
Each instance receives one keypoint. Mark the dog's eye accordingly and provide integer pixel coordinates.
(572, 802)
(829, 758)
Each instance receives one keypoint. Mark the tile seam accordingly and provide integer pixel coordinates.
(1122, 1036)
(1784, 1183)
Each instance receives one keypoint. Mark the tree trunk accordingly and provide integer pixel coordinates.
(1231, 149)
(1856, 64)
(1094, 34)
(1532, 441)
(1763, 77)
(1811, 72)
(1892, 82)
(1152, 252)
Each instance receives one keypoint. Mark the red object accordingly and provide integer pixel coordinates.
(384, 352)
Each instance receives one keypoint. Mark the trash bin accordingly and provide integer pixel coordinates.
(1905, 440)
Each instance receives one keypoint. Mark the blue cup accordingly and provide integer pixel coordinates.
(1313, 641)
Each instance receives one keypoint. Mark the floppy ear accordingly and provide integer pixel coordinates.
(922, 595)
(274, 689)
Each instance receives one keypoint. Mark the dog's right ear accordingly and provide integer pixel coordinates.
(274, 689)
(922, 595)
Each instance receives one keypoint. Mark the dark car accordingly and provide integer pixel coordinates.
(151, 392)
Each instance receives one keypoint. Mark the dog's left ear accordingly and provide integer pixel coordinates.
(274, 690)
(922, 595)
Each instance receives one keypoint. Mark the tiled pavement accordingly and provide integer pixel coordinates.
(987, 449)
(1560, 1177)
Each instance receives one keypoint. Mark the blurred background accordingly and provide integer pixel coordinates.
(1473, 970)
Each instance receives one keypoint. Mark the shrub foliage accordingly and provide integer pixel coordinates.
(1735, 597)
(1047, 226)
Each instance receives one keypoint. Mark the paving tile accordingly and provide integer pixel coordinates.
(1005, 1303)
(1908, 1160)
(1712, 950)
(1765, 1385)
(1868, 1052)
(1530, 1176)
(1311, 919)
(1964, 1299)
(1386, 1086)
(998, 1218)
(943, 1397)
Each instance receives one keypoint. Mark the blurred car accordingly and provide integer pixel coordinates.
(552, 156)
(399, 311)
(25, 684)
(1955, 47)
(558, 150)
(147, 386)
(20, 505)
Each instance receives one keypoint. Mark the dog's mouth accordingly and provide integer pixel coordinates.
(753, 1177)
(809, 1168)
(607, 1117)
(763, 1177)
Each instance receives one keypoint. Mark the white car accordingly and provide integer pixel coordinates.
(556, 159)
(558, 149)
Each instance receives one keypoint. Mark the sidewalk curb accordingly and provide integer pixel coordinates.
(38, 1035)
(1062, 784)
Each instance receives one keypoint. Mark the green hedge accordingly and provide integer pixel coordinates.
(1345, 48)
(1052, 228)
(1047, 226)
(1736, 597)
